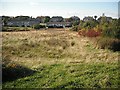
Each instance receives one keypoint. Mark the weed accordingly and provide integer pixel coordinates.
(72, 43)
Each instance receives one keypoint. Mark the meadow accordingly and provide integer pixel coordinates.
(56, 58)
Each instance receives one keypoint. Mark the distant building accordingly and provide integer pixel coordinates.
(66, 19)
(105, 18)
(1, 23)
(29, 22)
(89, 18)
(43, 19)
(56, 19)
(59, 24)
(75, 18)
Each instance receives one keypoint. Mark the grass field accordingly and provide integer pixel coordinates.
(10, 29)
(56, 58)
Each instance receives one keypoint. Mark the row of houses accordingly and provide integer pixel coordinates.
(25, 23)
(20, 21)
(59, 24)
(58, 21)
(55, 21)
(89, 18)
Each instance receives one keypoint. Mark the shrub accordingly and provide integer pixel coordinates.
(109, 43)
(93, 33)
(89, 24)
(37, 26)
(15, 29)
(75, 23)
(75, 28)
(4, 29)
(72, 43)
(113, 32)
(82, 32)
(111, 29)
(89, 33)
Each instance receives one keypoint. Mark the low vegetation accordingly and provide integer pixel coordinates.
(70, 76)
(108, 43)
(107, 31)
(86, 56)
(37, 26)
(56, 58)
(10, 29)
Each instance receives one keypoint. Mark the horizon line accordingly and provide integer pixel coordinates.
(60, 15)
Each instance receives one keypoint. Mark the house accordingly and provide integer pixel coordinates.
(75, 18)
(43, 19)
(66, 19)
(56, 19)
(72, 19)
(107, 19)
(59, 24)
(28, 22)
(89, 18)
(1, 23)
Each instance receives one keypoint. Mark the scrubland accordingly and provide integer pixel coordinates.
(56, 58)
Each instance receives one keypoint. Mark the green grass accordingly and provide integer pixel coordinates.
(56, 59)
(16, 29)
(70, 76)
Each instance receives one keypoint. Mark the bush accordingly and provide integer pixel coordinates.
(88, 24)
(37, 26)
(112, 32)
(72, 43)
(75, 23)
(109, 43)
(89, 33)
(10, 29)
(111, 29)
(82, 32)
(75, 28)
(93, 33)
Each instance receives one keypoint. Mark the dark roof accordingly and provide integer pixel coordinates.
(59, 23)
(104, 17)
(57, 17)
(89, 17)
(75, 18)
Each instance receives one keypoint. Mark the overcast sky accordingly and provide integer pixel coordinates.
(63, 8)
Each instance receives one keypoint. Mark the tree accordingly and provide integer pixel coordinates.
(111, 29)
(37, 26)
(75, 23)
(89, 24)
(22, 17)
(47, 18)
(5, 19)
(95, 17)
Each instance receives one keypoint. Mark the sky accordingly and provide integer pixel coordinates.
(68, 8)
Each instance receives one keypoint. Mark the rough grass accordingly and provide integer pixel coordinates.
(9, 29)
(109, 43)
(59, 59)
(70, 76)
